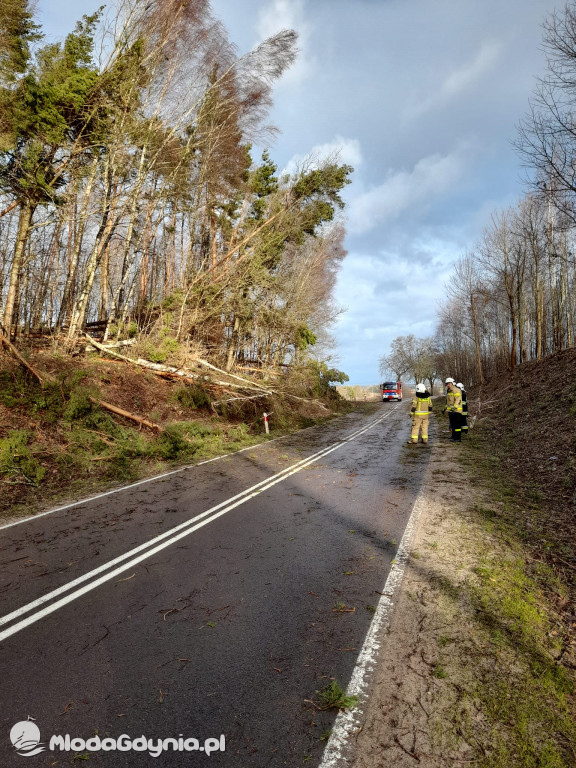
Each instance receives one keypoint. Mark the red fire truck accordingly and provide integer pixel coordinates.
(392, 390)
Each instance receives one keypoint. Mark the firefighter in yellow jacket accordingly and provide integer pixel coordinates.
(454, 408)
(420, 412)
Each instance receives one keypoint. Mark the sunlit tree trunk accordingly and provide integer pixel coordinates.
(24, 222)
(76, 229)
(101, 241)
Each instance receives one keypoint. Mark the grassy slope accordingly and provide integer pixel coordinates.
(56, 444)
(521, 665)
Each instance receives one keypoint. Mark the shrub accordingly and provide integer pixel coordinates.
(193, 396)
(159, 353)
(17, 461)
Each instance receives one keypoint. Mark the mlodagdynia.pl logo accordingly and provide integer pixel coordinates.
(25, 738)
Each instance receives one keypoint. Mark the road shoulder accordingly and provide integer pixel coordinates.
(468, 670)
(407, 699)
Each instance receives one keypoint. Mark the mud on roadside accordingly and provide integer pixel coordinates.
(469, 672)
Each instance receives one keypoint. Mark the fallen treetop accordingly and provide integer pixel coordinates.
(232, 375)
(185, 373)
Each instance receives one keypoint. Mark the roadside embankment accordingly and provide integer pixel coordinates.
(91, 424)
(527, 442)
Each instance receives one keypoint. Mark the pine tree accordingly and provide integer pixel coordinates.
(47, 113)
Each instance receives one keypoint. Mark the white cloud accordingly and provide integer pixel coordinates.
(280, 14)
(288, 14)
(402, 190)
(387, 296)
(340, 150)
(461, 79)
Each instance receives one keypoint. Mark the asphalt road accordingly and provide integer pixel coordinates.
(216, 601)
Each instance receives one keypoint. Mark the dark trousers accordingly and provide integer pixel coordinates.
(455, 425)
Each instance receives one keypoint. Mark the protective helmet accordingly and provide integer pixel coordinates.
(420, 388)
(449, 380)
(460, 386)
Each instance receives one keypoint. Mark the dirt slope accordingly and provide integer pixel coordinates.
(527, 422)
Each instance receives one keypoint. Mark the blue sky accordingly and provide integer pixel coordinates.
(423, 99)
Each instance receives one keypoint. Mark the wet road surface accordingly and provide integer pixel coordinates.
(215, 601)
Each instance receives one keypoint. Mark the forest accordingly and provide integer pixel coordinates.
(132, 199)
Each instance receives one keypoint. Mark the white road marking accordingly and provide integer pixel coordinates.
(349, 721)
(148, 549)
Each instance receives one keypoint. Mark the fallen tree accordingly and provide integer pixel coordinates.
(183, 373)
(126, 414)
(168, 371)
(8, 344)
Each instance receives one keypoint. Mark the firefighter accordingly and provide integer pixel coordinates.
(420, 413)
(454, 408)
(464, 415)
(449, 399)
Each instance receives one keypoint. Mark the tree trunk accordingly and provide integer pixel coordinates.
(24, 222)
(102, 239)
(75, 247)
(513, 322)
(38, 306)
(514, 342)
(539, 306)
(476, 341)
(233, 344)
(521, 329)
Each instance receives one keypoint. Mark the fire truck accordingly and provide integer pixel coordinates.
(391, 390)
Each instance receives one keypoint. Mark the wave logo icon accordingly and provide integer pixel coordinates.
(25, 738)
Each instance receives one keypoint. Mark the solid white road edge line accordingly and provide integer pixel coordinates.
(349, 721)
(184, 529)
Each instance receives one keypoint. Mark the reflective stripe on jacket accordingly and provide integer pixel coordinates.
(421, 406)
